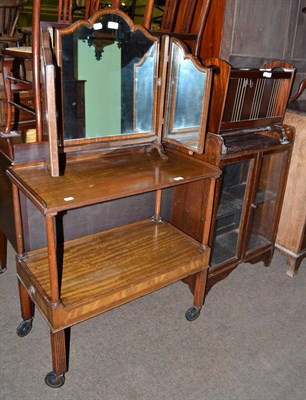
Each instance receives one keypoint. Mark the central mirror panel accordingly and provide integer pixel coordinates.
(108, 78)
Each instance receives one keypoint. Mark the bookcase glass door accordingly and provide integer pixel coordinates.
(264, 206)
(234, 182)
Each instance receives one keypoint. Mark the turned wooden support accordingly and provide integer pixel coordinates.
(26, 305)
(158, 205)
(7, 66)
(116, 4)
(18, 220)
(36, 68)
(148, 14)
(200, 287)
(52, 257)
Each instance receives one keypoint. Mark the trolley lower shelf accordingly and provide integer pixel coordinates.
(105, 270)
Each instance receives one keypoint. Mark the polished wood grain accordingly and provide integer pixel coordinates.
(100, 179)
(102, 271)
(291, 233)
(212, 35)
(189, 205)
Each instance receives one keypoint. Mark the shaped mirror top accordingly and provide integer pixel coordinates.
(108, 78)
(187, 99)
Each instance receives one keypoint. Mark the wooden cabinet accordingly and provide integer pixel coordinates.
(291, 235)
(249, 142)
(247, 208)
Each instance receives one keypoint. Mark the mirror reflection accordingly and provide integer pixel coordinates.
(188, 90)
(108, 79)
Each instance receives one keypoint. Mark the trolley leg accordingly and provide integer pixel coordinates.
(3, 252)
(56, 378)
(27, 311)
(199, 294)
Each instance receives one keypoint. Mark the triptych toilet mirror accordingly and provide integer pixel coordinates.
(115, 85)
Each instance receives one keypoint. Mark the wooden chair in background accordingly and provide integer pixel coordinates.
(300, 91)
(184, 19)
(9, 36)
(9, 16)
(21, 73)
(15, 60)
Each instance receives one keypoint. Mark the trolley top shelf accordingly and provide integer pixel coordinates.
(95, 180)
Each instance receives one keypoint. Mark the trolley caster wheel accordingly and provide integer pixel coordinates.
(53, 380)
(2, 270)
(192, 313)
(24, 328)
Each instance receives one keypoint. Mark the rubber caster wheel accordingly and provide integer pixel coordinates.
(24, 328)
(2, 270)
(192, 313)
(53, 380)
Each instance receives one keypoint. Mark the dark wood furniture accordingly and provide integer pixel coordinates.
(17, 77)
(24, 111)
(183, 19)
(132, 250)
(9, 36)
(249, 142)
(9, 15)
(91, 6)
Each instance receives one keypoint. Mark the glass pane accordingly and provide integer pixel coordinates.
(234, 181)
(108, 79)
(264, 206)
(188, 88)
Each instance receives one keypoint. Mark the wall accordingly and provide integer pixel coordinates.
(102, 89)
